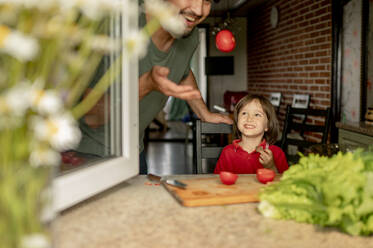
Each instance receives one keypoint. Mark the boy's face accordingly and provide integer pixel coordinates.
(252, 120)
(193, 11)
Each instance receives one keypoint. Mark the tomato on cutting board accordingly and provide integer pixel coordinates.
(227, 177)
(265, 175)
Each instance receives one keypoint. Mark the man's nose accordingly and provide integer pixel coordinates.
(197, 7)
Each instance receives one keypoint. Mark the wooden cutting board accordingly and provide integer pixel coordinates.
(208, 191)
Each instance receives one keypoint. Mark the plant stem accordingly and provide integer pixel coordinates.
(82, 82)
(151, 26)
(97, 92)
(83, 53)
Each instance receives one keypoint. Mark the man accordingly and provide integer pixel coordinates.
(165, 70)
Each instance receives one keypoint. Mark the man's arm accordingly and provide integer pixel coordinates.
(157, 80)
(99, 114)
(199, 107)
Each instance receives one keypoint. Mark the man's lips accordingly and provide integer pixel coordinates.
(190, 20)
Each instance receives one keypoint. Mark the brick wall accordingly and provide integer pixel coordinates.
(294, 57)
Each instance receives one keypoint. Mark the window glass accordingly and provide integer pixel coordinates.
(100, 127)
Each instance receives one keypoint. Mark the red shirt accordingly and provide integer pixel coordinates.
(235, 159)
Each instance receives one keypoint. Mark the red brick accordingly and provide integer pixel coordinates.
(278, 58)
(320, 67)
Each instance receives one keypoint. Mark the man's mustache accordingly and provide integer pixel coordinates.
(191, 14)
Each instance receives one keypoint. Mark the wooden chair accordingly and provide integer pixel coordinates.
(301, 101)
(303, 126)
(205, 149)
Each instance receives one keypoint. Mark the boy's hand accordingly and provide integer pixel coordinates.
(266, 158)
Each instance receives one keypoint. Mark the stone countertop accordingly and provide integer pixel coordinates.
(139, 213)
(359, 127)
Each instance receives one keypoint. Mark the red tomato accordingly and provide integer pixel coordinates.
(66, 159)
(76, 160)
(225, 41)
(265, 175)
(228, 178)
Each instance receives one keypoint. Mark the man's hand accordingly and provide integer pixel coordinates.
(217, 118)
(157, 80)
(266, 158)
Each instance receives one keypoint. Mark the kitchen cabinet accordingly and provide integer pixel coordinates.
(140, 213)
(355, 133)
(352, 60)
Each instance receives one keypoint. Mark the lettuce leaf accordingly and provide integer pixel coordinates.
(335, 192)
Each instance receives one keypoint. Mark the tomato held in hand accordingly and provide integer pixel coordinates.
(265, 175)
(228, 178)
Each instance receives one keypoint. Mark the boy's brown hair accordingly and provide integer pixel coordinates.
(273, 127)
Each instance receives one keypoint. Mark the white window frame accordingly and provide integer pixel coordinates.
(74, 187)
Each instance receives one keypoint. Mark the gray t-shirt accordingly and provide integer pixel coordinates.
(177, 59)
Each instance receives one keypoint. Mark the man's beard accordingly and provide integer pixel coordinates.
(186, 34)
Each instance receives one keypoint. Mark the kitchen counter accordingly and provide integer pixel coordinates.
(358, 127)
(355, 134)
(139, 213)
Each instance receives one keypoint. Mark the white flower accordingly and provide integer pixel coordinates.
(46, 101)
(18, 45)
(44, 156)
(60, 130)
(130, 8)
(36, 240)
(16, 101)
(94, 9)
(91, 8)
(175, 25)
(40, 4)
(168, 16)
(136, 44)
(67, 5)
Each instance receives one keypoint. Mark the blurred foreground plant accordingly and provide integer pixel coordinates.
(49, 51)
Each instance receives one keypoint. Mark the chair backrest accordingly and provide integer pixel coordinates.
(301, 101)
(231, 98)
(302, 126)
(204, 150)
